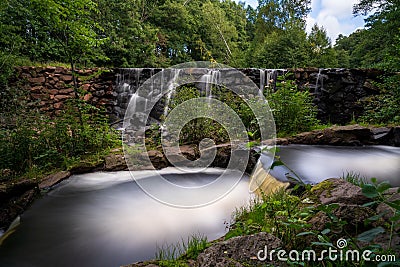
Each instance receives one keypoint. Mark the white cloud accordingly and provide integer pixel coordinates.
(253, 3)
(338, 8)
(336, 16)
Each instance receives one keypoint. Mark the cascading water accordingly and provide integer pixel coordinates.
(211, 77)
(318, 89)
(268, 78)
(262, 81)
(129, 81)
(171, 89)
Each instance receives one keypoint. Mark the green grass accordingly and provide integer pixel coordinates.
(177, 255)
(354, 178)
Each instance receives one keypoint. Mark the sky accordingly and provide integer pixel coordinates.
(336, 16)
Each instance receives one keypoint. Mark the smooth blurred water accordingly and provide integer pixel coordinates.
(105, 219)
(317, 163)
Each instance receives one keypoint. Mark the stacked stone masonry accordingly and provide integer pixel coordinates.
(50, 87)
(338, 93)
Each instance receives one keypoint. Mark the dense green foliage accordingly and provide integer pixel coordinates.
(293, 110)
(378, 44)
(160, 33)
(33, 142)
(385, 107)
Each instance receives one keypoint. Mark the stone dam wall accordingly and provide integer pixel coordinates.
(338, 93)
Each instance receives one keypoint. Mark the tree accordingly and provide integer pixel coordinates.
(322, 53)
(175, 28)
(280, 39)
(131, 39)
(72, 25)
(218, 33)
(382, 25)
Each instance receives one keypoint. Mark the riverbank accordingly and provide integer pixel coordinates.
(16, 196)
(358, 221)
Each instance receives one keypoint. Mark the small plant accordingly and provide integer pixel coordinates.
(176, 255)
(280, 214)
(354, 178)
(376, 191)
(36, 141)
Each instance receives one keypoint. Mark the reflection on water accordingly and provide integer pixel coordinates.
(105, 219)
(317, 163)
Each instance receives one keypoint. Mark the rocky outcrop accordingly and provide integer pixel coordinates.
(15, 197)
(239, 251)
(337, 191)
(349, 135)
(52, 179)
(192, 153)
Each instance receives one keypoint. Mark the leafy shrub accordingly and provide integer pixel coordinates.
(385, 107)
(32, 140)
(196, 130)
(293, 110)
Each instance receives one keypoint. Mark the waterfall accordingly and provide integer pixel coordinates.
(128, 81)
(262, 81)
(131, 85)
(172, 83)
(268, 78)
(316, 91)
(212, 76)
(263, 183)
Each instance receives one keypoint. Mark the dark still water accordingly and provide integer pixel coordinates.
(105, 219)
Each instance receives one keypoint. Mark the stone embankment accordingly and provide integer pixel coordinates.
(49, 88)
(350, 135)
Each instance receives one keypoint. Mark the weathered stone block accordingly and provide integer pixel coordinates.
(37, 81)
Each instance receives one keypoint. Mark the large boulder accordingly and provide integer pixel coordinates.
(336, 190)
(239, 251)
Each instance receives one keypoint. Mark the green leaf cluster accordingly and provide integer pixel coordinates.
(293, 109)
